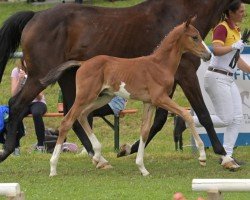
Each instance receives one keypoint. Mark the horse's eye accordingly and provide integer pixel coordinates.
(195, 38)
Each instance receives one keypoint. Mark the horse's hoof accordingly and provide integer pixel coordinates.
(104, 166)
(4, 154)
(124, 150)
(203, 163)
(231, 166)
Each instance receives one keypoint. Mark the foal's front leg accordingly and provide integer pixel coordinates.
(148, 110)
(167, 103)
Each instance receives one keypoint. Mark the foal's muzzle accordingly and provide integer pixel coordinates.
(207, 53)
(206, 57)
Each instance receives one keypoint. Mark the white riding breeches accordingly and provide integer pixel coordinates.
(226, 100)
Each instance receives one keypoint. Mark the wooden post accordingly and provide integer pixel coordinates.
(214, 195)
(12, 191)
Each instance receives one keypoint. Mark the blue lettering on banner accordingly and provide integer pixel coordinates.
(241, 75)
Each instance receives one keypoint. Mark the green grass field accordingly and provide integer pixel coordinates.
(78, 179)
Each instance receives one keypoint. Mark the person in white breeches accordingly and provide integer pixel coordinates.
(219, 80)
(226, 100)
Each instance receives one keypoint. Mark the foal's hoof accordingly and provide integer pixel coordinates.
(101, 165)
(52, 174)
(203, 163)
(95, 162)
(145, 173)
(124, 150)
(104, 166)
(231, 166)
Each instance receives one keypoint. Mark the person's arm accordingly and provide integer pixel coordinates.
(16, 82)
(243, 65)
(219, 37)
(219, 49)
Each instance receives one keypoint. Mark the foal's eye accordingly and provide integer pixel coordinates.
(195, 38)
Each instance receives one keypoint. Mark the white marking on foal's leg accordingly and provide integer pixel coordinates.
(96, 147)
(103, 164)
(54, 159)
(139, 158)
(199, 143)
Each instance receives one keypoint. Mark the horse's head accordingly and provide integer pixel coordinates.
(192, 42)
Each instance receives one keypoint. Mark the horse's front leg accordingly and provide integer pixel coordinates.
(148, 110)
(17, 104)
(167, 103)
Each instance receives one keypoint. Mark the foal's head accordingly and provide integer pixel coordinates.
(192, 42)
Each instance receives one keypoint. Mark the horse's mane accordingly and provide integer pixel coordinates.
(171, 38)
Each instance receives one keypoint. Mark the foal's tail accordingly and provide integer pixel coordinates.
(56, 73)
(10, 35)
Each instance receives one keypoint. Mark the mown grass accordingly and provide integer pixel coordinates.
(171, 171)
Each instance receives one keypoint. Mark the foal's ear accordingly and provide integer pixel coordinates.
(190, 20)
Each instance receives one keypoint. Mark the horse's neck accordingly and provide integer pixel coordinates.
(208, 12)
(169, 52)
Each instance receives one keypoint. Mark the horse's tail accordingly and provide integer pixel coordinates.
(56, 73)
(10, 35)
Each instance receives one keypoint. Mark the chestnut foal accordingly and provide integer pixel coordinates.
(148, 79)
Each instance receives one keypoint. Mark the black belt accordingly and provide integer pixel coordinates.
(220, 71)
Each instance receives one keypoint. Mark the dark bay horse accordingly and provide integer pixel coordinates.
(71, 31)
(149, 79)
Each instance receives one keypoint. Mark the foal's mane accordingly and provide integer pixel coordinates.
(171, 38)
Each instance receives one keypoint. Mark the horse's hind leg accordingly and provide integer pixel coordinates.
(97, 159)
(170, 105)
(148, 110)
(65, 126)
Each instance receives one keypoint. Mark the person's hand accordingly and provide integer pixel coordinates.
(178, 196)
(239, 45)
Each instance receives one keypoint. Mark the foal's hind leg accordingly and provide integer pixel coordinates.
(167, 103)
(98, 159)
(65, 126)
(148, 110)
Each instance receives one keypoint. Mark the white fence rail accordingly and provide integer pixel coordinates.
(214, 187)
